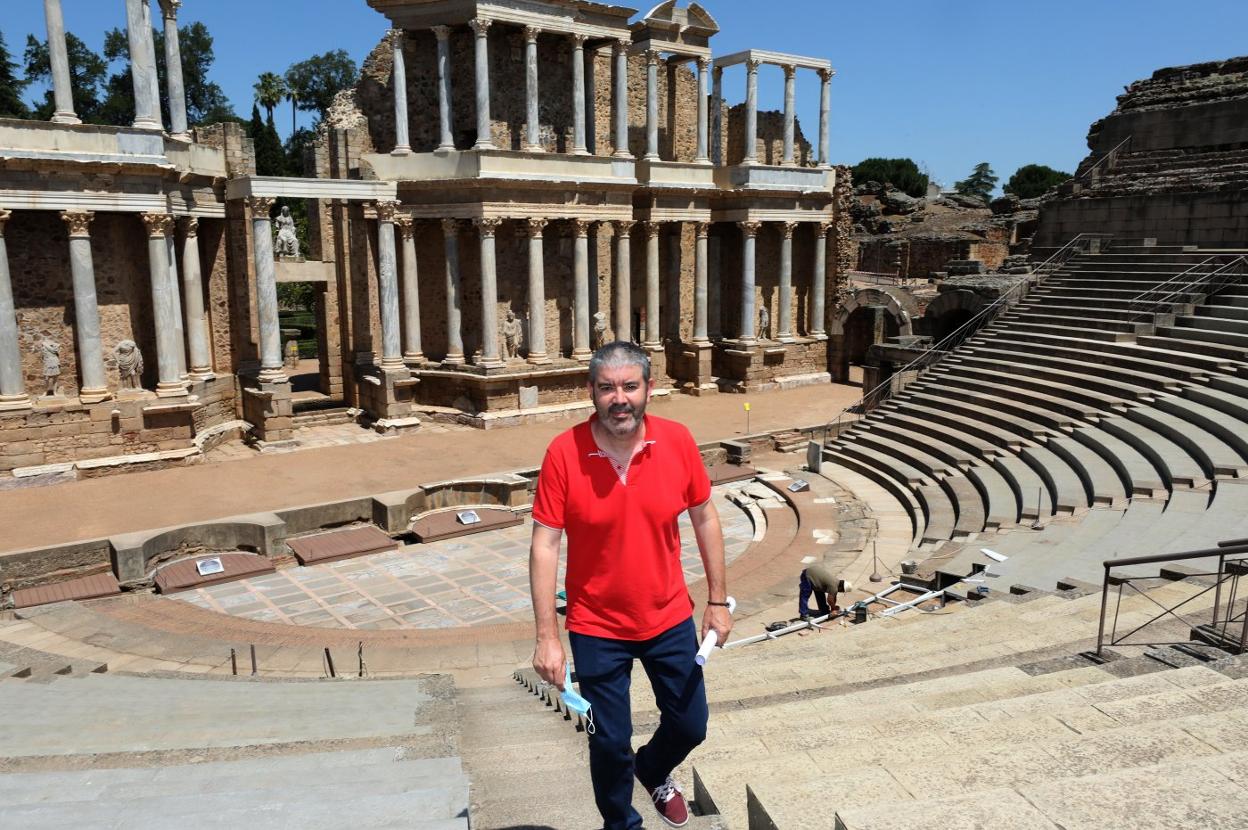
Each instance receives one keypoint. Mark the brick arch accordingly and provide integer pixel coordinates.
(959, 300)
(864, 297)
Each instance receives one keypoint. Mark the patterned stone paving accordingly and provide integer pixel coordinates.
(472, 580)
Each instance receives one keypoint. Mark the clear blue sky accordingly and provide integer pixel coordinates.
(948, 83)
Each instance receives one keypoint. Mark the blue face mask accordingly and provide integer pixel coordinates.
(575, 702)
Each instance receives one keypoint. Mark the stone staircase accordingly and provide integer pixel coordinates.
(1073, 410)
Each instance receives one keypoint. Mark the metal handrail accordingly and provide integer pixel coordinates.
(1105, 159)
(951, 341)
(1224, 550)
(1185, 283)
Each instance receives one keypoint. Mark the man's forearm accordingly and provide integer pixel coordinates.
(543, 573)
(706, 529)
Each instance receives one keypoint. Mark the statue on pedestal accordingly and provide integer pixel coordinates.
(512, 332)
(599, 330)
(50, 352)
(764, 323)
(129, 364)
(287, 242)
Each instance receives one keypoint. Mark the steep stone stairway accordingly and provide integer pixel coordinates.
(1082, 399)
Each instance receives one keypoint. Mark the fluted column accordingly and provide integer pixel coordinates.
(790, 114)
(62, 90)
(621, 100)
(490, 356)
(537, 292)
(818, 288)
(532, 137)
(402, 143)
(266, 290)
(580, 290)
(717, 115)
(193, 303)
(94, 387)
(388, 288)
(751, 112)
(652, 106)
(578, 95)
(749, 230)
(142, 66)
(174, 86)
(446, 141)
(702, 232)
(825, 110)
(702, 156)
(411, 292)
(454, 315)
(170, 383)
(12, 385)
(654, 338)
(785, 332)
(623, 280)
(480, 29)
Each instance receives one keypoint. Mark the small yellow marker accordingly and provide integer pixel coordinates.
(747, 417)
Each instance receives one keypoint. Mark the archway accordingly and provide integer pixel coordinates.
(869, 316)
(950, 311)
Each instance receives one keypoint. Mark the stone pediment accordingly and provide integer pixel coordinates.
(668, 23)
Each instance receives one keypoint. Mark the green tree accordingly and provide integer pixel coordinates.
(86, 77)
(270, 157)
(270, 91)
(312, 84)
(1032, 180)
(295, 148)
(980, 183)
(11, 86)
(902, 174)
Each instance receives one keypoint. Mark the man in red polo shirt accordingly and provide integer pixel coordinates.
(616, 485)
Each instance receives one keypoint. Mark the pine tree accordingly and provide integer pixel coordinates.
(11, 86)
(1032, 180)
(270, 156)
(86, 76)
(980, 183)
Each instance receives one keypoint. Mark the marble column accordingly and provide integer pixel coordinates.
(94, 387)
(623, 280)
(785, 332)
(717, 115)
(751, 112)
(578, 95)
(825, 110)
(652, 106)
(170, 383)
(175, 288)
(790, 114)
(537, 292)
(454, 316)
(818, 288)
(487, 227)
(702, 156)
(271, 367)
(749, 230)
(398, 80)
(580, 290)
(62, 90)
(12, 385)
(174, 85)
(412, 353)
(532, 136)
(193, 303)
(702, 231)
(446, 141)
(388, 288)
(142, 66)
(621, 100)
(480, 29)
(654, 337)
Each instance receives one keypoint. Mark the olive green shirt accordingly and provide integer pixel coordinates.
(822, 579)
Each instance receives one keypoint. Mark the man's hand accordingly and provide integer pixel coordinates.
(717, 617)
(550, 662)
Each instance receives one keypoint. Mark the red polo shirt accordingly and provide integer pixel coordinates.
(624, 578)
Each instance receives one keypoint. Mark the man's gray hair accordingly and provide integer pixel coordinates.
(617, 354)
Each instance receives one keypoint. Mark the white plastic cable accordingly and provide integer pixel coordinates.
(712, 638)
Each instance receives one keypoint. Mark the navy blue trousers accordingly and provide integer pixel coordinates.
(604, 669)
(804, 590)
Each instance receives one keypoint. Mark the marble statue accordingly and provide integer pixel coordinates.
(764, 323)
(50, 351)
(129, 364)
(287, 241)
(292, 354)
(511, 335)
(600, 329)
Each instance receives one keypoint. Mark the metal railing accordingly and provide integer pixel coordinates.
(1106, 161)
(1082, 243)
(1206, 277)
(1232, 556)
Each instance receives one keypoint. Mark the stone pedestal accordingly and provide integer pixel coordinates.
(386, 395)
(763, 365)
(269, 409)
(697, 376)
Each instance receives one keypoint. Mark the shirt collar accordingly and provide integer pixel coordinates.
(597, 451)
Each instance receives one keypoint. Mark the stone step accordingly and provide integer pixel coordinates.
(1127, 384)
(1069, 329)
(1134, 350)
(1208, 334)
(1158, 371)
(1044, 317)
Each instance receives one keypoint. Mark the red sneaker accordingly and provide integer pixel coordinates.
(670, 803)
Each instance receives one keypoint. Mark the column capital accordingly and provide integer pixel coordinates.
(159, 224)
(192, 227)
(624, 227)
(396, 36)
(822, 228)
(621, 45)
(534, 226)
(441, 32)
(578, 40)
(786, 229)
(488, 225)
(580, 227)
(169, 9)
(750, 228)
(406, 225)
(4, 217)
(260, 204)
(717, 74)
(78, 222)
(480, 25)
(531, 33)
(825, 75)
(652, 228)
(386, 210)
(702, 230)
(704, 63)
(752, 64)
(450, 226)
(790, 71)
(652, 57)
